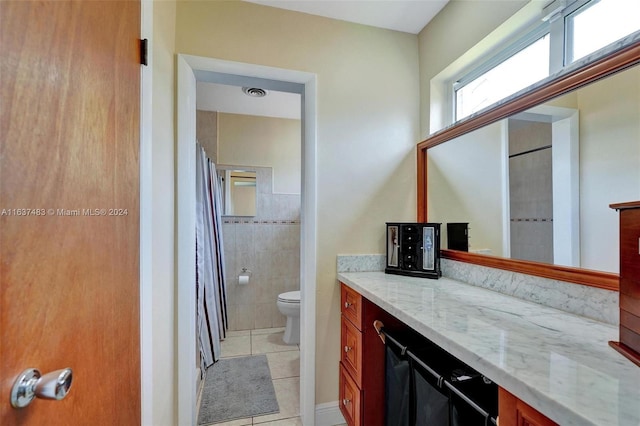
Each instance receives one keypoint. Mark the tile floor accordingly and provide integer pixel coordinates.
(284, 363)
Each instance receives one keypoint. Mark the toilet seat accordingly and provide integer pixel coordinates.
(289, 297)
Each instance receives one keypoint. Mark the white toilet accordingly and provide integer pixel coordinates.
(289, 305)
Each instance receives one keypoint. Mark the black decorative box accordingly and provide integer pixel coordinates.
(413, 249)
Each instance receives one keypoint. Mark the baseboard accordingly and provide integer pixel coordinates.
(328, 414)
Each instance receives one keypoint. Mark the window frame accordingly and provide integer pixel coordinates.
(483, 67)
(567, 27)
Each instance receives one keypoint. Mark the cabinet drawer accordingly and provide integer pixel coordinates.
(630, 250)
(350, 399)
(351, 350)
(514, 412)
(351, 305)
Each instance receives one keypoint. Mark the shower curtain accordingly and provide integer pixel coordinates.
(210, 276)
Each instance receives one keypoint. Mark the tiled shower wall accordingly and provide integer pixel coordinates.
(268, 245)
(531, 191)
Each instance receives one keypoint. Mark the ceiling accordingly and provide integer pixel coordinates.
(400, 15)
(231, 99)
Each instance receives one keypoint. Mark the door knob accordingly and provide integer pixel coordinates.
(31, 384)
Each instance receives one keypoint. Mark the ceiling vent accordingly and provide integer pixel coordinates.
(254, 92)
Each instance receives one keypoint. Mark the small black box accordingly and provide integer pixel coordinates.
(458, 236)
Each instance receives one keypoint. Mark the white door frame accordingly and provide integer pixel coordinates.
(146, 220)
(185, 210)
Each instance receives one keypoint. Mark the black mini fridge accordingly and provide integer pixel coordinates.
(413, 249)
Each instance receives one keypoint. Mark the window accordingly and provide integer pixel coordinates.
(567, 34)
(599, 23)
(524, 68)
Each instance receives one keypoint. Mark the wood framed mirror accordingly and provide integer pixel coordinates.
(551, 89)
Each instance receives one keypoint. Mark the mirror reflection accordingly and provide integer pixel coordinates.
(239, 192)
(538, 185)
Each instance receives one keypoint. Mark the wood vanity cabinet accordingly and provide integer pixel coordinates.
(629, 344)
(514, 412)
(361, 360)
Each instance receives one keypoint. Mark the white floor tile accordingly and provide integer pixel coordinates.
(284, 364)
(288, 396)
(266, 343)
(294, 421)
(238, 333)
(240, 422)
(259, 331)
(236, 346)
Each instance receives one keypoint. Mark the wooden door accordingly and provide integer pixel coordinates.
(69, 197)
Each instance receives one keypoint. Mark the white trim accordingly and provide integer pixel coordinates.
(506, 200)
(328, 414)
(186, 203)
(146, 202)
(566, 190)
(308, 242)
(186, 242)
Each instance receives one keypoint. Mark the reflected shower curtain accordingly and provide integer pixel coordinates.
(210, 282)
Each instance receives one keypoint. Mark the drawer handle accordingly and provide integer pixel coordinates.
(347, 348)
(346, 402)
(347, 304)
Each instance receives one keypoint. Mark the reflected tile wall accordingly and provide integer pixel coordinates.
(269, 246)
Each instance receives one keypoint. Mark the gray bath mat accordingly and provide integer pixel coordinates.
(236, 388)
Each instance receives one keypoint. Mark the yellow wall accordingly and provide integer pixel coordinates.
(163, 135)
(609, 163)
(459, 173)
(207, 133)
(249, 140)
(368, 102)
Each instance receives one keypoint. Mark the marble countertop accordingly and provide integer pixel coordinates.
(559, 363)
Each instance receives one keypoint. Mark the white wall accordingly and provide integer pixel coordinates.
(163, 287)
(249, 140)
(367, 128)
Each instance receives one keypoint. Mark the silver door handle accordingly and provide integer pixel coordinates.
(31, 384)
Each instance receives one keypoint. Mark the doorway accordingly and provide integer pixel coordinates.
(544, 225)
(191, 69)
(253, 137)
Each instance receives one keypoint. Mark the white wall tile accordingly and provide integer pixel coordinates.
(263, 315)
(269, 249)
(277, 319)
(245, 317)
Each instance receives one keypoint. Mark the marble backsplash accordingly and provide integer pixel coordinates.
(360, 262)
(591, 302)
